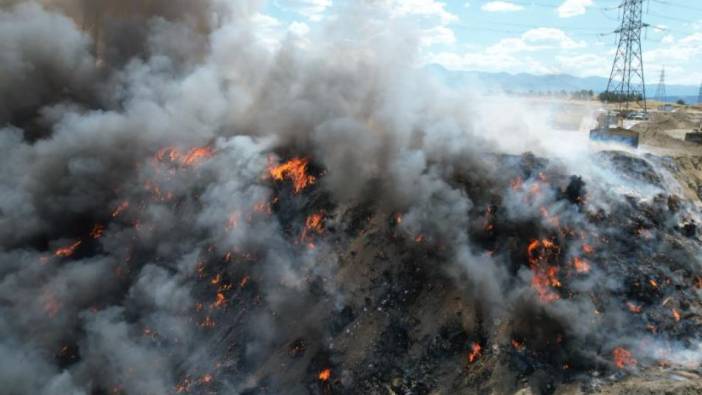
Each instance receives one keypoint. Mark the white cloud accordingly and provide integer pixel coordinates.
(437, 35)
(512, 54)
(422, 8)
(501, 6)
(299, 28)
(571, 8)
(312, 9)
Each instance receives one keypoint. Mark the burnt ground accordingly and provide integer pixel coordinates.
(401, 321)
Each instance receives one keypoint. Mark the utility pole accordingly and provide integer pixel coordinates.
(660, 91)
(626, 81)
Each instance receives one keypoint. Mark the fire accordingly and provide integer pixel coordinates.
(623, 358)
(197, 155)
(68, 250)
(474, 352)
(220, 301)
(97, 231)
(122, 206)
(519, 346)
(294, 170)
(544, 275)
(653, 283)
(676, 314)
(587, 248)
(313, 224)
(193, 157)
(581, 265)
(633, 308)
(324, 375)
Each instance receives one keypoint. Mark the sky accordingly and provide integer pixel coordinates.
(522, 36)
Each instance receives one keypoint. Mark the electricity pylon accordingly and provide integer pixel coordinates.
(626, 81)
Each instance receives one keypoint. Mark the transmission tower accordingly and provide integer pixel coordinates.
(660, 91)
(699, 95)
(626, 81)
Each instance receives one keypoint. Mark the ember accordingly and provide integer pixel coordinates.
(313, 224)
(623, 358)
(97, 231)
(294, 170)
(122, 206)
(541, 253)
(68, 250)
(324, 375)
(474, 352)
(581, 265)
(193, 157)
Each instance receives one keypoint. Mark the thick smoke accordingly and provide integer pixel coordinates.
(145, 249)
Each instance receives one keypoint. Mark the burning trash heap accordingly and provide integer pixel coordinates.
(178, 221)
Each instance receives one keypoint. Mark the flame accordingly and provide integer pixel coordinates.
(216, 279)
(474, 352)
(313, 224)
(519, 346)
(324, 375)
(208, 322)
(244, 281)
(220, 301)
(68, 250)
(122, 206)
(193, 157)
(206, 379)
(419, 238)
(544, 275)
(581, 265)
(197, 155)
(587, 249)
(676, 314)
(623, 358)
(294, 170)
(97, 231)
(633, 308)
(653, 283)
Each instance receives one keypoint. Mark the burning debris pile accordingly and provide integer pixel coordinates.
(206, 226)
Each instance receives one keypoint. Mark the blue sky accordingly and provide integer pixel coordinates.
(541, 36)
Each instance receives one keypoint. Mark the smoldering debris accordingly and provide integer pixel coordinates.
(234, 217)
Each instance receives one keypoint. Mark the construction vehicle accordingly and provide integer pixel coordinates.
(695, 136)
(610, 128)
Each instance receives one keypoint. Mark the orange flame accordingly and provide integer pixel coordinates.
(587, 248)
(633, 308)
(122, 206)
(474, 353)
(68, 250)
(294, 170)
(581, 265)
(519, 346)
(324, 375)
(313, 224)
(544, 275)
(197, 155)
(623, 358)
(97, 231)
(191, 158)
(676, 314)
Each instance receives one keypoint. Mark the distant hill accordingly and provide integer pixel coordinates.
(524, 83)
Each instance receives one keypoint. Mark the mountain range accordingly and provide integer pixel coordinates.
(525, 82)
